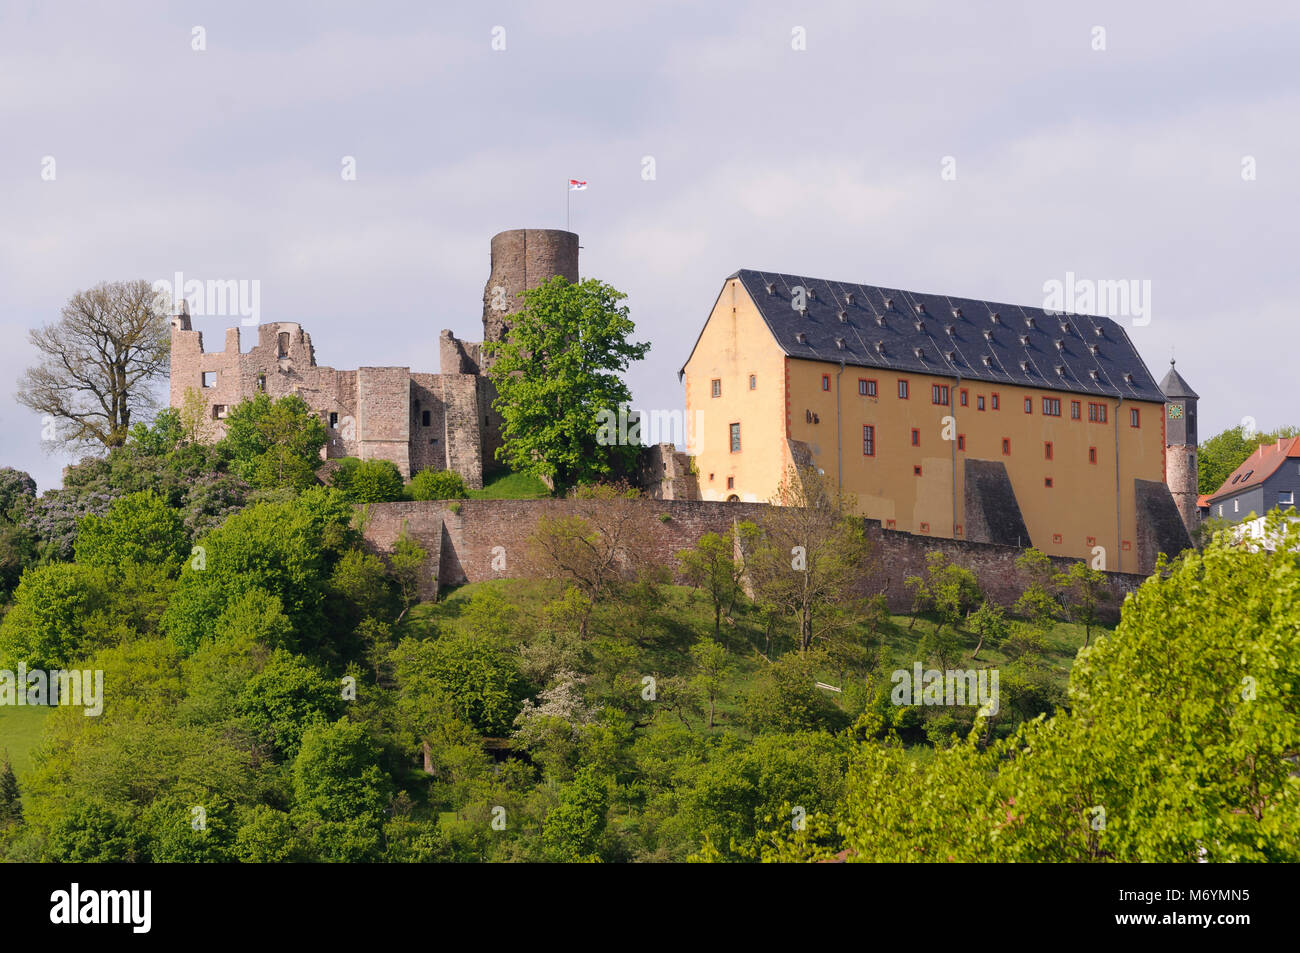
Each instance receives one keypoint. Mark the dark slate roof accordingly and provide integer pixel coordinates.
(939, 334)
(1174, 386)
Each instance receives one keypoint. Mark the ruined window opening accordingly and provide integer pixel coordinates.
(261, 382)
(284, 344)
(209, 378)
(424, 418)
(334, 421)
(218, 411)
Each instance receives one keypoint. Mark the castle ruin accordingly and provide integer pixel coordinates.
(419, 421)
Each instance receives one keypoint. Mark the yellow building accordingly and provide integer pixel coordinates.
(944, 416)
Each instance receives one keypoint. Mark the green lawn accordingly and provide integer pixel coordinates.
(511, 486)
(20, 730)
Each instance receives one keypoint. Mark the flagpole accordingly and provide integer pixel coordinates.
(567, 190)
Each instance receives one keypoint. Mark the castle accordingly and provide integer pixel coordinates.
(946, 417)
(419, 421)
(977, 422)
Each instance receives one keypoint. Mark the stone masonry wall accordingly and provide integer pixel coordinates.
(465, 539)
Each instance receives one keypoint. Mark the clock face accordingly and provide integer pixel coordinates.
(1175, 411)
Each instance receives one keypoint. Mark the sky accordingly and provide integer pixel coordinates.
(977, 149)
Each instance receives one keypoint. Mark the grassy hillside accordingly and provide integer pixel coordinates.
(655, 639)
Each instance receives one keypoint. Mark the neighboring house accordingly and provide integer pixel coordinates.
(1269, 479)
(943, 416)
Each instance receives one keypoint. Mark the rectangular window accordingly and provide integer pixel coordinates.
(826, 382)
(939, 394)
(1006, 447)
(1092, 454)
(965, 397)
(1029, 405)
(1047, 450)
(218, 411)
(209, 378)
(753, 382)
(1286, 498)
(731, 483)
(334, 420)
(717, 387)
(1074, 410)
(1134, 418)
(916, 470)
(735, 438)
(902, 390)
(424, 418)
(979, 401)
(961, 441)
(1047, 482)
(866, 388)
(995, 402)
(916, 437)
(868, 441)
(1097, 413)
(1051, 407)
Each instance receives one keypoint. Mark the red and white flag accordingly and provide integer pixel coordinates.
(576, 186)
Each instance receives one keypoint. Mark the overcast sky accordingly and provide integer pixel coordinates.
(828, 161)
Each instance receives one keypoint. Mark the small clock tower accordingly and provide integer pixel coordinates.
(1180, 446)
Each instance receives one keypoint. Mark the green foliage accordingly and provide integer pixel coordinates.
(371, 481)
(479, 680)
(574, 827)
(285, 699)
(437, 485)
(1177, 747)
(786, 698)
(711, 671)
(285, 549)
(274, 443)
(11, 805)
(50, 625)
(340, 793)
(139, 528)
(558, 375)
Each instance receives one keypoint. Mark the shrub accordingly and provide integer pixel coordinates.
(437, 485)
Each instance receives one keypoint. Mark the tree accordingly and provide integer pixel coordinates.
(138, 528)
(437, 485)
(1086, 589)
(558, 374)
(11, 805)
(340, 792)
(713, 565)
(574, 827)
(407, 564)
(17, 492)
(711, 671)
(594, 550)
(989, 623)
(285, 699)
(1037, 604)
(99, 362)
(47, 626)
(811, 556)
(479, 679)
(275, 443)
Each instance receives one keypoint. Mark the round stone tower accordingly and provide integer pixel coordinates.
(523, 258)
(1180, 446)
